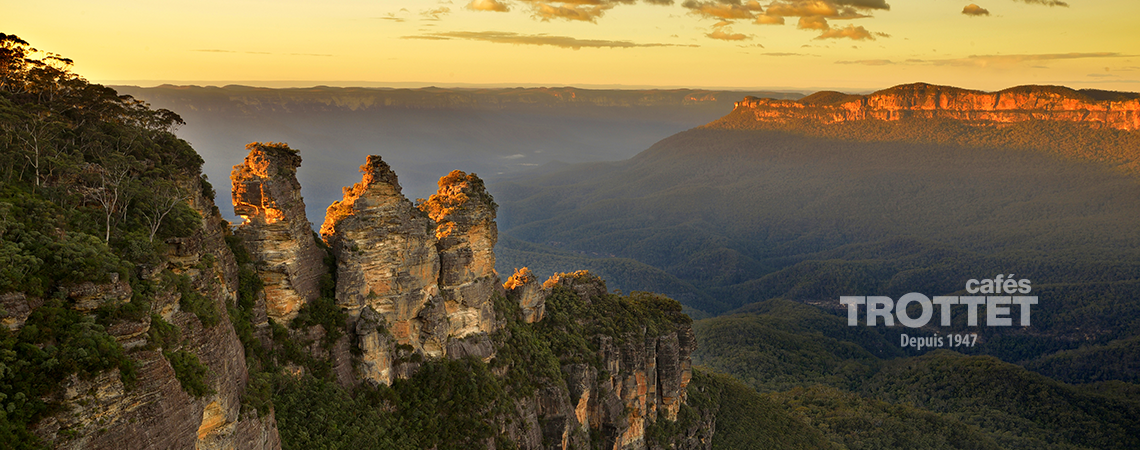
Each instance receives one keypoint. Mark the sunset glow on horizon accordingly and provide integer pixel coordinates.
(856, 45)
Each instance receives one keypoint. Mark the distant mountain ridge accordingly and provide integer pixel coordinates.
(426, 133)
(325, 98)
(1095, 108)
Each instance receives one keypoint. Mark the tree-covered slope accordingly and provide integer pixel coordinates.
(814, 366)
(95, 193)
(873, 208)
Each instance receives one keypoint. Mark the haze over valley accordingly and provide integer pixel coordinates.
(426, 133)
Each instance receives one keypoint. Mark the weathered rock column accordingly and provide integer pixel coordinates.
(387, 260)
(465, 217)
(276, 232)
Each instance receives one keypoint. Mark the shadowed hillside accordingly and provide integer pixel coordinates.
(809, 211)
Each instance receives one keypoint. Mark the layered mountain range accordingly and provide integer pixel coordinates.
(818, 198)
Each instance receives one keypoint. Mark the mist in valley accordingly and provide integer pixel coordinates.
(426, 133)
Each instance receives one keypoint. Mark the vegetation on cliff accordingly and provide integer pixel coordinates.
(859, 394)
(93, 184)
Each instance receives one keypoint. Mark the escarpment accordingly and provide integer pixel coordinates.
(168, 403)
(565, 363)
(278, 235)
(1096, 109)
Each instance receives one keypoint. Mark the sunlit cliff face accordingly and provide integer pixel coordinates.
(267, 196)
(1097, 109)
(264, 162)
(450, 198)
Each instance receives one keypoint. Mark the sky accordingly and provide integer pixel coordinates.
(852, 45)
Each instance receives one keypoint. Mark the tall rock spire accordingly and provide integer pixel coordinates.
(386, 259)
(278, 235)
(465, 216)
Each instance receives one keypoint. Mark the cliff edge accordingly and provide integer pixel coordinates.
(1093, 108)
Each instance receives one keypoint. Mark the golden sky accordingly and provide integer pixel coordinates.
(789, 44)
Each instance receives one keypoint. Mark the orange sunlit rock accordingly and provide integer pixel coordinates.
(276, 231)
(1097, 109)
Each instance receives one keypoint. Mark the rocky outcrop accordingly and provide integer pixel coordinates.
(531, 296)
(406, 279)
(1097, 109)
(465, 228)
(641, 378)
(267, 196)
(88, 296)
(15, 307)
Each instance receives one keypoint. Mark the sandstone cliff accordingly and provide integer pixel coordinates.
(465, 228)
(419, 285)
(410, 280)
(418, 289)
(531, 296)
(278, 235)
(157, 411)
(1097, 109)
(634, 374)
(152, 330)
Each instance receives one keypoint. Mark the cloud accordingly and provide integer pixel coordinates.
(575, 10)
(868, 62)
(765, 19)
(435, 14)
(975, 10)
(851, 31)
(392, 17)
(813, 23)
(814, 15)
(546, 11)
(727, 35)
(724, 9)
(783, 54)
(992, 60)
(1006, 60)
(866, 4)
(488, 5)
(803, 8)
(1045, 2)
(503, 37)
